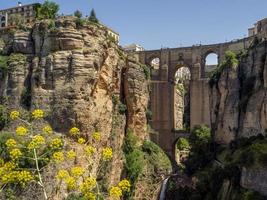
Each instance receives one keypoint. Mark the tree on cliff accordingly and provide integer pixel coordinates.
(48, 10)
(93, 17)
(78, 14)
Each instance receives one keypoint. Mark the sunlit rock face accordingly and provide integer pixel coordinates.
(239, 98)
(75, 74)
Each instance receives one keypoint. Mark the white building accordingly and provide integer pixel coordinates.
(133, 48)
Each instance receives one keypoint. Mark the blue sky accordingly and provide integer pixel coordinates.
(169, 23)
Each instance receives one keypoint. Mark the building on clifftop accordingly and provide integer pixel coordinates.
(26, 12)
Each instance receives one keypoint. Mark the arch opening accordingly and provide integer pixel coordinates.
(211, 62)
(3, 18)
(3, 25)
(182, 99)
(155, 63)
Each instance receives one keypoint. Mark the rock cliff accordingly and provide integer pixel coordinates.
(238, 99)
(81, 78)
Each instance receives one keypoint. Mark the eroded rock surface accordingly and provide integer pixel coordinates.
(239, 98)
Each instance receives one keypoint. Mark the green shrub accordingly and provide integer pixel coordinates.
(122, 108)
(146, 71)
(78, 14)
(93, 17)
(130, 142)
(230, 61)
(80, 22)
(201, 153)
(157, 159)
(251, 195)
(183, 144)
(149, 114)
(48, 10)
(3, 62)
(3, 116)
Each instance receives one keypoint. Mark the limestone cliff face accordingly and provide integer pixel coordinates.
(75, 73)
(239, 99)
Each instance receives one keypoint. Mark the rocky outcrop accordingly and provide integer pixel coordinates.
(74, 74)
(255, 179)
(239, 98)
(136, 96)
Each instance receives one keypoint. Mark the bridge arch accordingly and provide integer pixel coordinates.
(211, 62)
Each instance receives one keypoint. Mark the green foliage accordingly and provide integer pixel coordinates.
(230, 61)
(3, 116)
(248, 152)
(4, 136)
(3, 62)
(78, 14)
(251, 195)
(183, 144)
(18, 20)
(115, 99)
(146, 71)
(149, 114)
(17, 58)
(48, 10)
(93, 17)
(51, 24)
(157, 159)
(80, 22)
(201, 152)
(122, 108)
(134, 157)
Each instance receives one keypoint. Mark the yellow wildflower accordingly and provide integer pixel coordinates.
(9, 177)
(77, 171)
(14, 115)
(11, 143)
(56, 143)
(36, 142)
(81, 140)
(125, 185)
(115, 192)
(62, 174)
(47, 129)
(70, 182)
(74, 131)
(88, 184)
(107, 153)
(96, 136)
(9, 166)
(58, 156)
(71, 154)
(21, 131)
(15, 154)
(89, 150)
(24, 177)
(90, 196)
(37, 114)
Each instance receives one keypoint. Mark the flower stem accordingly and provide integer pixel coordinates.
(39, 173)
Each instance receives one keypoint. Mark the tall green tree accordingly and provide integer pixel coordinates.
(93, 17)
(78, 14)
(48, 10)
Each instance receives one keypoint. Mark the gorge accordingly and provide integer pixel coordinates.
(80, 77)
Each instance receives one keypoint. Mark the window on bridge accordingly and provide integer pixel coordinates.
(155, 63)
(211, 63)
(182, 99)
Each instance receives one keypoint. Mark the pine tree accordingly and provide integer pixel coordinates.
(92, 17)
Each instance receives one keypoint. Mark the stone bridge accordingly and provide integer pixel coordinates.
(162, 85)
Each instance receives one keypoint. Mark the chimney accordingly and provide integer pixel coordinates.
(19, 4)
